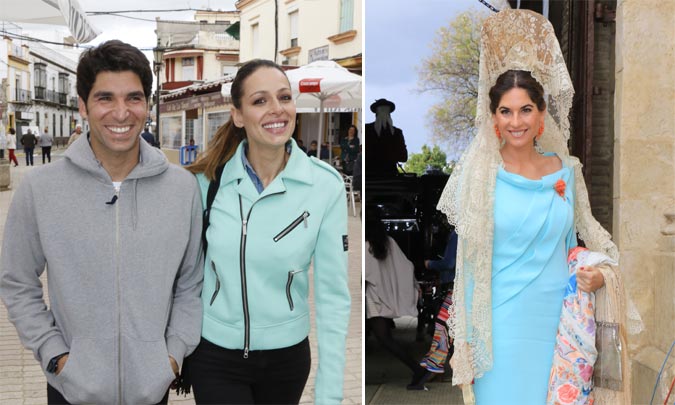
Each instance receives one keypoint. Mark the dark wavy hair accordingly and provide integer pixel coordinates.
(521, 79)
(112, 56)
(356, 130)
(376, 234)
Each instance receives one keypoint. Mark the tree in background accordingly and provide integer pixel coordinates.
(452, 72)
(430, 158)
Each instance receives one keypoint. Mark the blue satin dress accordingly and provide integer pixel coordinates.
(533, 232)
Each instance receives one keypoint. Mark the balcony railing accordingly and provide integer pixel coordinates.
(40, 93)
(22, 96)
(52, 96)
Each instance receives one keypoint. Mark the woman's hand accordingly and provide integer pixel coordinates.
(589, 279)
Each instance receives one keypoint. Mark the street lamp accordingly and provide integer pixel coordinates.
(158, 54)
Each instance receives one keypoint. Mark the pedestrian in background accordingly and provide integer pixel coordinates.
(149, 138)
(269, 210)
(124, 282)
(29, 141)
(46, 141)
(349, 149)
(76, 134)
(11, 146)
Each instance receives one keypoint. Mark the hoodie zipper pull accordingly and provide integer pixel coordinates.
(304, 218)
(246, 352)
(243, 225)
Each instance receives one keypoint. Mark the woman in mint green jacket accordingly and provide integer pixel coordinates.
(274, 210)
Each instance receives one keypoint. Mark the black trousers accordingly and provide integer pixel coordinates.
(46, 151)
(224, 376)
(55, 398)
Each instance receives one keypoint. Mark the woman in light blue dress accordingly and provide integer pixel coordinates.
(533, 231)
(517, 200)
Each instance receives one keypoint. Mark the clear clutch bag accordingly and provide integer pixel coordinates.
(607, 370)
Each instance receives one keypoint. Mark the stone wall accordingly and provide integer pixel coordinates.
(644, 181)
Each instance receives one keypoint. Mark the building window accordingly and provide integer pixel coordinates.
(346, 15)
(255, 33)
(193, 130)
(64, 85)
(40, 81)
(293, 28)
(215, 121)
(170, 131)
(189, 69)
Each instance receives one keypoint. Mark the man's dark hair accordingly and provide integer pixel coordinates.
(112, 56)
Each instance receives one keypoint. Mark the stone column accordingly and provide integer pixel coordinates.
(644, 182)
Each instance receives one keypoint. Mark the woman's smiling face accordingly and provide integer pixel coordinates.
(267, 110)
(518, 118)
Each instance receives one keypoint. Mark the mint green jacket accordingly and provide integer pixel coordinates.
(256, 275)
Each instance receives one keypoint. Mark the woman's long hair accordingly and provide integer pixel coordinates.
(227, 138)
(376, 235)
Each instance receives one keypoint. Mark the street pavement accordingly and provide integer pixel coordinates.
(23, 382)
(386, 377)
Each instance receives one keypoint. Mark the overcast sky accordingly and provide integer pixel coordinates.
(398, 37)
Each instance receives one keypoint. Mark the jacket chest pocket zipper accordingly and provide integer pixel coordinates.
(215, 293)
(293, 225)
(291, 274)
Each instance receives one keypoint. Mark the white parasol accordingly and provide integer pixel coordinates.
(54, 12)
(325, 86)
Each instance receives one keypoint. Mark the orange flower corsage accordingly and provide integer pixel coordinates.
(560, 187)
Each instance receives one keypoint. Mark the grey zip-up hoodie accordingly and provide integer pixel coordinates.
(124, 277)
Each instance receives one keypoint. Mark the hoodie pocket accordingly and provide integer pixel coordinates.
(147, 371)
(289, 284)
(90, 372)
(217, 289)
(297, 221)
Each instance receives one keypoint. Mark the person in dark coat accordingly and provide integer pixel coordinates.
(385, 143)
(28, 141)
(149, 138)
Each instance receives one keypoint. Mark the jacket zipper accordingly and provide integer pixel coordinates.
(291, 274)
(242, 270)
(215, 293)
(293, 225)
(119, 299)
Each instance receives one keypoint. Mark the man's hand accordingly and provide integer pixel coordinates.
(174, 365)
(60, 364)
(589, 279)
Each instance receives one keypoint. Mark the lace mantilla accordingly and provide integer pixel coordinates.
(510, 40)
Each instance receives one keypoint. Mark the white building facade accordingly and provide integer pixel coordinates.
(197, 53)
(38, 89)
(302, 31)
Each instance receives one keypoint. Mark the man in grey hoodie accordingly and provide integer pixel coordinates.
(119, 230)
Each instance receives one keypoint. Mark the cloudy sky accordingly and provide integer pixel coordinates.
(398, 37)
